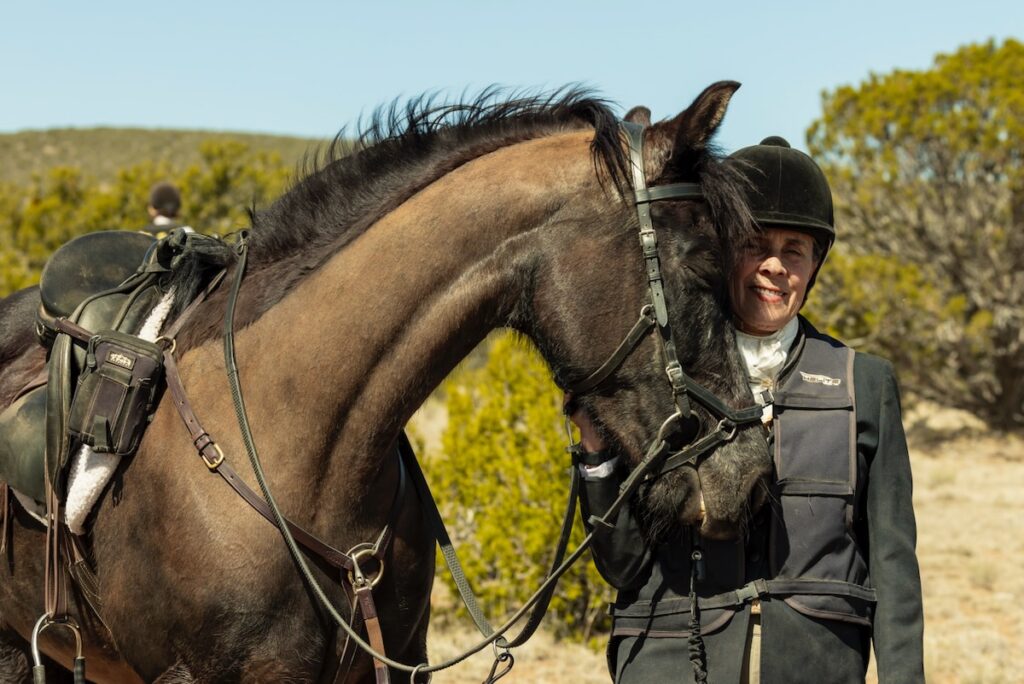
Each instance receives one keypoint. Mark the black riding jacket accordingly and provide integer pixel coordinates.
(830, 558)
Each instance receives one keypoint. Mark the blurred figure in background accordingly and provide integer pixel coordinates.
(164, 205)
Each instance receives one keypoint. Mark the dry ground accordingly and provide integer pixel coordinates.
(969, 498)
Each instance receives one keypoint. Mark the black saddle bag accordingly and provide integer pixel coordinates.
(116, 392)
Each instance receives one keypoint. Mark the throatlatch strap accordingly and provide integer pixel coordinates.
(635, 335)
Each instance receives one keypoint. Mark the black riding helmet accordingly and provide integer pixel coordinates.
(788, 190)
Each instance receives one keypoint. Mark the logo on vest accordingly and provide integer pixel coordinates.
(121, 360)
(821, 379)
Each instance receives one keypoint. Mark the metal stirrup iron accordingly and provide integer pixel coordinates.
(38, 669)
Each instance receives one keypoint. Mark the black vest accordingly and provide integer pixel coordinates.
(814, 562)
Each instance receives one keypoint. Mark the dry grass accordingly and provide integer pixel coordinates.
(971, 548)
(970, 513)
(542, 659)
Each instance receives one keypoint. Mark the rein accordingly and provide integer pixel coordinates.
(658, 459)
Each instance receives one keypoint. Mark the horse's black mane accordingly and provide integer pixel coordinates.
(402, 149)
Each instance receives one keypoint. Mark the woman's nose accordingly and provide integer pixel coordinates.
(772, 265)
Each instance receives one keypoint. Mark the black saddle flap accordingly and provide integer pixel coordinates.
(22, 445)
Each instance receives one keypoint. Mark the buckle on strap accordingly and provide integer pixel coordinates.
(356, 577)
(752, 590)
(212, 462)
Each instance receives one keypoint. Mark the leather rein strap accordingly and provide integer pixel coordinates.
(653, 315)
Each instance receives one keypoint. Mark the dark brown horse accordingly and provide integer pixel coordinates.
(367, 283)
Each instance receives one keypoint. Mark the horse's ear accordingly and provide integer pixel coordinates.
(639, 115)
(676, 140)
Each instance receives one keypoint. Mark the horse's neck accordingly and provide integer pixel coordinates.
(353, 350)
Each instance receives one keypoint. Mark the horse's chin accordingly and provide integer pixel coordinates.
(717, 522)
(678, 501)
(673, 504)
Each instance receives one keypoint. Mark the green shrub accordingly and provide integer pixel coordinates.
(501, 481)
(217, 194)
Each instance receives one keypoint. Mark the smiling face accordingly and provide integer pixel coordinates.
(770, 280)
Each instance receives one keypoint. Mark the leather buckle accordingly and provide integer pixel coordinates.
(214, 463)
(649, 243)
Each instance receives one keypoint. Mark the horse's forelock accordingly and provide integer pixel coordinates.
(725, 190)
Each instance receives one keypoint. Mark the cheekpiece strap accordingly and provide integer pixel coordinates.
(652, 263)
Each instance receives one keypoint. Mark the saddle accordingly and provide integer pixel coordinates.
(114, 300)
(102, 281)
(94, 294)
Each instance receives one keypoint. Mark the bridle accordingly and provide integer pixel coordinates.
(659, 458)
(654, 316)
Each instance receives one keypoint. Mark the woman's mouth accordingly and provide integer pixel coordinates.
(768, 295)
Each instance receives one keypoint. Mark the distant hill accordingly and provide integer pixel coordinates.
(101, 152)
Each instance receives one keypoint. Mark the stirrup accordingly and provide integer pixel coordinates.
(38, 669)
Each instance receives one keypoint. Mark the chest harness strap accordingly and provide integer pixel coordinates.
(363, 565)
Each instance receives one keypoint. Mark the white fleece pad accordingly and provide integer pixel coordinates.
(90, 471)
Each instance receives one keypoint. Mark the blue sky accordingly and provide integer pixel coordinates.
(308, 68)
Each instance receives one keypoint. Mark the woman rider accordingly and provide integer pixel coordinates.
(827, 568)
